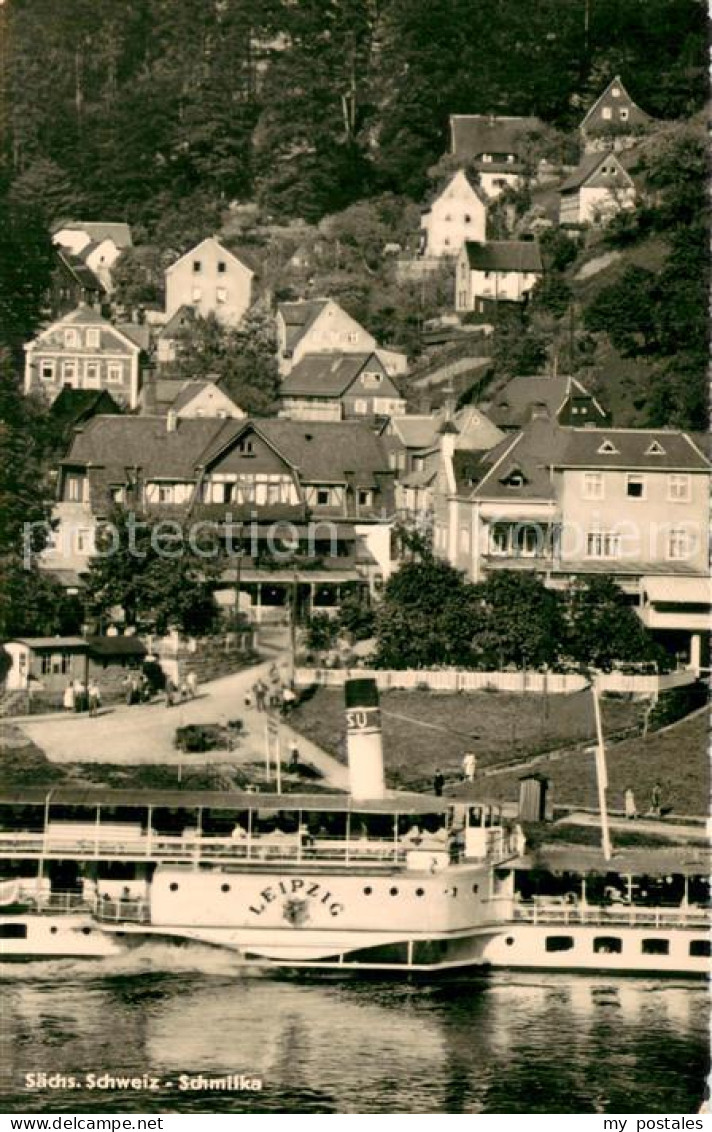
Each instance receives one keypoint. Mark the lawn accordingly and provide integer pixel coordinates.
(423, 730)
(678, 758)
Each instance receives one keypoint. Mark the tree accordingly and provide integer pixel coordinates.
(521, 621)
(25, 267)
(245, 358)
(356, 616)
(153, 572)
(602, 628)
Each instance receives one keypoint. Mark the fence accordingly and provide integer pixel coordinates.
(451, 680)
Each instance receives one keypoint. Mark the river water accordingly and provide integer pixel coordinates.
(506, 1043)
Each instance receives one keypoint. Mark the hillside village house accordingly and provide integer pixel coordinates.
(596, 191)
(96, 244)
(83, 351)
(321, 326)
(300, 504)
(565, 400)
(72, 283)
(173, 333)
(335, 387)
(569, 503)
(415, 443)
(458, 213)
(211, 280)
(500, 271)
(613, 121)
(496, 146)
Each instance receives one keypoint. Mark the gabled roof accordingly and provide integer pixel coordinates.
(139, 333)
(616, 81)
(299, 318)
(178, 322)
(189, 390)
(327, 375)
(634, 449)
(223, 251)
(513, 404)
(475, 134)
(504, 255)
(323, 452)
(84, 315)
(471, 181)
(73, 405)
(99, 230)
(84, 275)
(531, 454)
(474, 430)
(588, 167)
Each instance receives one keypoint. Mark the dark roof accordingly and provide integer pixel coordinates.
(474, 134)
(634, 448)
(299, 317)
(139, 334)
(178, 321)
(145, 442)
(531, 453)
(512, 405)
(71, 406)
(321, 451)
(84, 275)
(588, 166)
(326, 375)
(224, 800)
(504, 255)
(639, 115)
(116, 646)
(50, 642)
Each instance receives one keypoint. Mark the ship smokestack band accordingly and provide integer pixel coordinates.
(363, 739)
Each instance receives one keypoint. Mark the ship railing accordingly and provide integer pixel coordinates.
(122, 911)
(638, 916)
(50, 903)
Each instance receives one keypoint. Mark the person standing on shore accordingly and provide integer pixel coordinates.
(630, 810)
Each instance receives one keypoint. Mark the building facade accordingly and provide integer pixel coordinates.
(597, 191)
(500, 271)
(458, 213)
(212, 281)
(340, 387)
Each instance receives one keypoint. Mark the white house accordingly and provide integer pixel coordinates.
(97, 244)
(321, 326)
(613, 120)
(211, 280)
(596, 191)
(501, 271)
(458, 213)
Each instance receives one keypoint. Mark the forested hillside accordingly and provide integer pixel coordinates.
(133, 107)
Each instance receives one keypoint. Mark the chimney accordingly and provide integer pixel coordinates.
(363, 739)
(171, 421)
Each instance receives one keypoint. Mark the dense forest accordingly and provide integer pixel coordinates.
(130, 108)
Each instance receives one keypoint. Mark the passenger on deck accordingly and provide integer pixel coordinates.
(238, 833)
(413, 836)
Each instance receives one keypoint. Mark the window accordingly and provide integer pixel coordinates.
(700, 948)
(607, 113)
(607, 448)
(222, 267)
(13, 931)
(603, 544)
(365, 498)
(197, 295)
(447, 216)
(69, 372)
(221, 294)
(655, 448)
(467, 218)
(678, 544)
(500, 540)
(46, 664)
(616, 92)
(75, 486)
(624, 113)
(197, 266)
(678, 488)
(116, 494)
(165, 493)
(607, 945)
(91, 373)
(71, 338)
(559, 943)
(352, 336)
(47, 370)
(93, 339)
(635, 487)
(323, 496)
(655, 947)
(515, 478)
(361, 407)
(487, 158)
(371, 378)
(83, 544)
(115, 373)
(245, 447)
(592, 485)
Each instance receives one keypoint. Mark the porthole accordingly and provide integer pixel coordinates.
(224, 887)
(86, 931)
(393, 891)
(475, 888)
(420, 892)
(52, 931)
(173, 887)
(509, 940)
(367, 890)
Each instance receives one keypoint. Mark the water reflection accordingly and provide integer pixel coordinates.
(509, 1043)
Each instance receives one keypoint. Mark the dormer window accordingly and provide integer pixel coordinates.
(607, 448)
(655, 448)
(514, 479)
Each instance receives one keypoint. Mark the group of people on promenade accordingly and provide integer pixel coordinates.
(80, 697)
(187, 689)
(272, 694)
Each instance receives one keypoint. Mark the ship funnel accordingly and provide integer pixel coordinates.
(363, 739)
